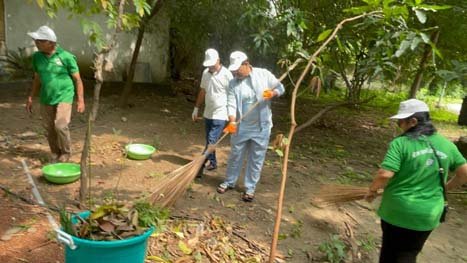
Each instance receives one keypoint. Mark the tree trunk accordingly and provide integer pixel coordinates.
(421, 68)
(131, 70)
(441, 95)
(85, 162)
(2, 29)
(463, 114)
(99, 66)
(461, 144)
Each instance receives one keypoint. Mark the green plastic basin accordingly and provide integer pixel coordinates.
(61, 173)
(139, 151)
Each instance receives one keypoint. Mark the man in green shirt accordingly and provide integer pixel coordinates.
(56, 74)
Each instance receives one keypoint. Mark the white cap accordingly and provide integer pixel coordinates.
(210, 57)
(408, 107)
(236, 60)
(43, 33)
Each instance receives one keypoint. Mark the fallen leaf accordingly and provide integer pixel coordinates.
(106, 226)
(184, 248)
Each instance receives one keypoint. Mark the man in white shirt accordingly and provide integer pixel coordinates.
(213, 92)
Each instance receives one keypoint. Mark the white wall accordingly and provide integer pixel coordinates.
(22, 17)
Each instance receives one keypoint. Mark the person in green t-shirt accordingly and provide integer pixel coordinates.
(413, 201)
(56, 74)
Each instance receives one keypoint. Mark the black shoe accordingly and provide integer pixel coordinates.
(248, 197)
(211, 167)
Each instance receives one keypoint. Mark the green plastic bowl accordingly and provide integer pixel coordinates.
(139, 151)
(61, 173)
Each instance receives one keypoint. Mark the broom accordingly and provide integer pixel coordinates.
(330, 194)
(174, 184)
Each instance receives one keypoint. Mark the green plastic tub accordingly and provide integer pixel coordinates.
(139, 151)
(61, 173)
(132, 250)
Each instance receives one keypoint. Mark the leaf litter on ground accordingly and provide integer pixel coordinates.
(208, 240)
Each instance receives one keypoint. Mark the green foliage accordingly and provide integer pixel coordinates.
(389, 103)
(265, 30)
(17, 64)
(296, 231)
(367, 243)
(66, 223)
(442, 115)
(376, 46)
(334, 249)
(133, 12)
(150, 215)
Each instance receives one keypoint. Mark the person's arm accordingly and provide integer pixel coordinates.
(459, 179)
(231, 126)
(198, 103)
(278, 90)
(379, 182)
(36, 86)
(200, 98)
(276, 85)
(231, 110)
(79, 92)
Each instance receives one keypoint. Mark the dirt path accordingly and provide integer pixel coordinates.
(322, 153)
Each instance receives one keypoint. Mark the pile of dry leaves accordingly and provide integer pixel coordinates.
(113, 221)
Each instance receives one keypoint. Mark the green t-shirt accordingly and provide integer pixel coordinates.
(55, 75)
(413, 197)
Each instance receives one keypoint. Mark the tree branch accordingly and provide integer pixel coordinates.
(293, 124)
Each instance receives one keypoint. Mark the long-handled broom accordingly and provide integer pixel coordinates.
(330, 194)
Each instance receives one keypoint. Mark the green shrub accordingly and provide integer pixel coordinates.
(17, 64)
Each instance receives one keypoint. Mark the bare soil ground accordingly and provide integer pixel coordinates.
(345, 146)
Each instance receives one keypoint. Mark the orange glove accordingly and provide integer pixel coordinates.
(268, 94)
(231, 127)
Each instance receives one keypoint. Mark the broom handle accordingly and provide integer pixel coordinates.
(285, 74)
(239, 121)
(212, 147)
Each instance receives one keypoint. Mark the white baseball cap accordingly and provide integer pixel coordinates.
(210, 57)
(44, 33)
(236, 60)
(408, 107)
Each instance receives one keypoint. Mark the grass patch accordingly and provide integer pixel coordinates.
(334, 249)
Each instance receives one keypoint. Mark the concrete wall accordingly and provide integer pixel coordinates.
(22, 17)
(2, 28)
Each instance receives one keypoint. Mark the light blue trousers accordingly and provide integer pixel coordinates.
(253, 144)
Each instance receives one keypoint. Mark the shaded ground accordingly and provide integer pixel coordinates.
(345, 146)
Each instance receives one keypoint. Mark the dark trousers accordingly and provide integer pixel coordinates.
(401, 245)
(213, 132)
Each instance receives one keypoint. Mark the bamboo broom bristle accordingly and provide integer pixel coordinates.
(173, 185)
(330, 194)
